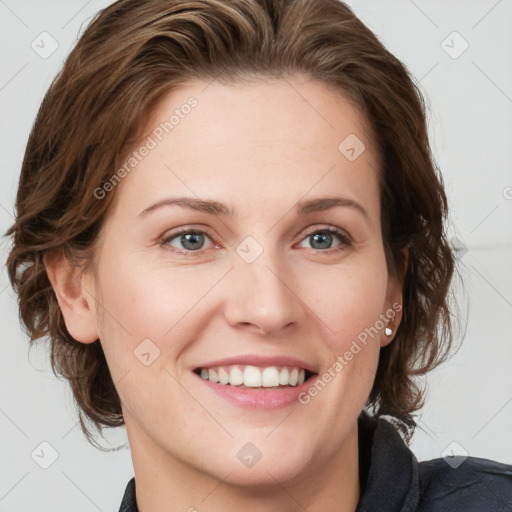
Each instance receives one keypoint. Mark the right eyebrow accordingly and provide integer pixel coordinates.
(202, 205)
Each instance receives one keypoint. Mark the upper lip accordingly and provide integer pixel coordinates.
(261, 361)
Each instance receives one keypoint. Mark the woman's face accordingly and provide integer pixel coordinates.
(267, 280)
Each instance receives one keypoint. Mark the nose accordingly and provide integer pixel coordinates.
(261, 296)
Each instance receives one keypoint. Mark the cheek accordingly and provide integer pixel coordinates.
(350, 307)
(148, 299)
(140, 301)
(348, 299)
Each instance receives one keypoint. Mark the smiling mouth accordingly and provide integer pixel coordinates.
(252, 377)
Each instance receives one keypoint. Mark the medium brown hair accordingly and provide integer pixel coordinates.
(135, 51)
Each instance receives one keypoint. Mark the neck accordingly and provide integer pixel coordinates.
(329, 482)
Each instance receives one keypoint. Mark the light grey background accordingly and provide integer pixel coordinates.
(470, 397)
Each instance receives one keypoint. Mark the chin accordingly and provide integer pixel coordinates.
(265, 473)
(258, 462)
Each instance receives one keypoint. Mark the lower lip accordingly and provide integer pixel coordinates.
(259, 398)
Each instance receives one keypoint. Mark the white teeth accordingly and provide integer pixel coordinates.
(236, 376)
(270, 377)
(255, 377)
(252, 377)
(223, 376)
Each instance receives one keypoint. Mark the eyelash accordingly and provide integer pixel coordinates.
(345, 241)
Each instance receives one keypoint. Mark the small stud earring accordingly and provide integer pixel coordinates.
(389, 331)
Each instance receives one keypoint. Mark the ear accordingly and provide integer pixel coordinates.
(67, 280)
(394, 300)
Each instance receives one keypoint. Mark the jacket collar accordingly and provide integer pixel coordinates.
(389, 471)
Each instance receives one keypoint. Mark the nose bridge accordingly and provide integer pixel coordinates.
(262, 291)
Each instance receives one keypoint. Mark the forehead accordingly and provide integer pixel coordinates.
(292, 110)
(259, 140)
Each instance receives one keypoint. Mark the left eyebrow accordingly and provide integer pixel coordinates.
(326, 203)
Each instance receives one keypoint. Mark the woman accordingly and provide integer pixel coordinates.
(256, 369)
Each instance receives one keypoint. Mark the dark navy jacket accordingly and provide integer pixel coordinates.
(392, 479)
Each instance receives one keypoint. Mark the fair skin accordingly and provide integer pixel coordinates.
(259, 148)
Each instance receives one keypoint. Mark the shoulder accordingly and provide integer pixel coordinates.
(464, 484)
